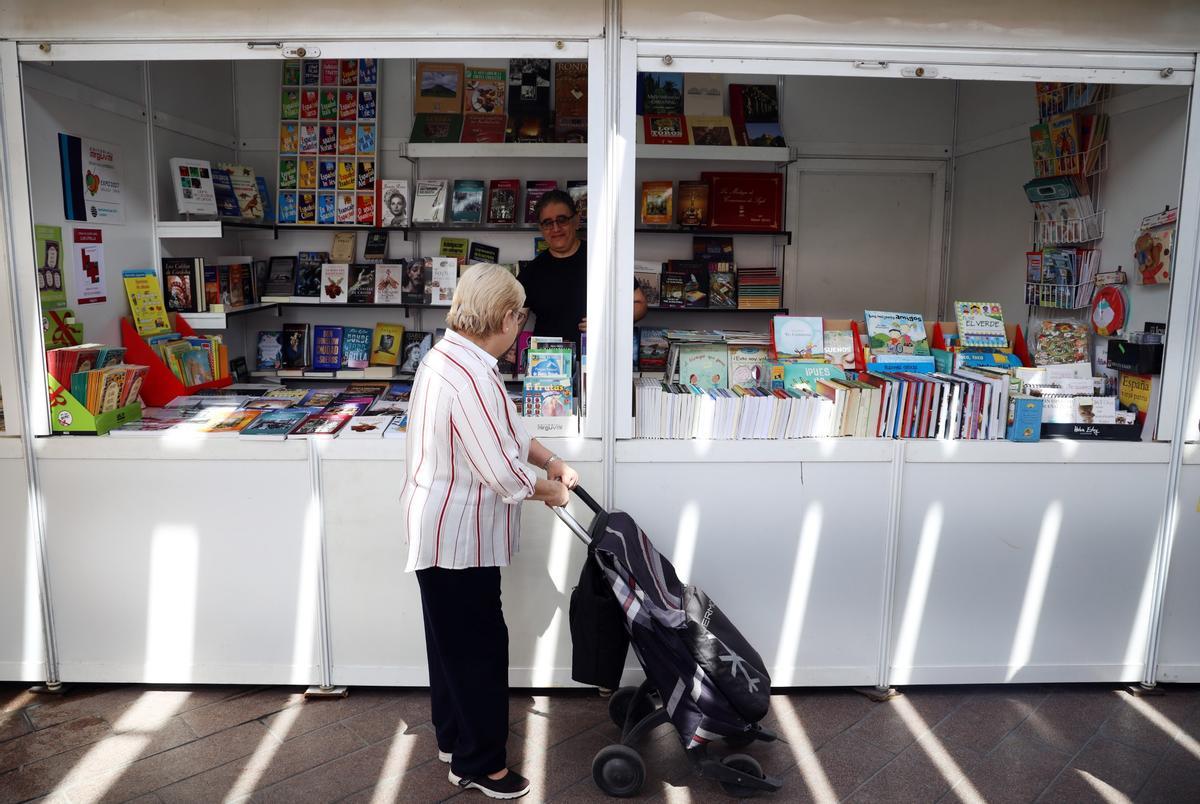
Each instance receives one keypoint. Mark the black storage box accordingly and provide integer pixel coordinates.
(1136, 358)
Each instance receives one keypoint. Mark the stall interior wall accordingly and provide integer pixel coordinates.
(106, 101)
(991, 216)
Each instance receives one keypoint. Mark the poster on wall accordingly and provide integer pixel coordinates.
(91, 180)
(89, 266)
(51, 287)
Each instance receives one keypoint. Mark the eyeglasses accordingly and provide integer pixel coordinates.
(560, 222)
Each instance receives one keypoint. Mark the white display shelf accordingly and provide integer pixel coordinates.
(1057, 450)
(175, 229)
(510, 150)
(221, 320)
(796, 450)
(715, 153)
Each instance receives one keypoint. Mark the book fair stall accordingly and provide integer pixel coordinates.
(892, 342)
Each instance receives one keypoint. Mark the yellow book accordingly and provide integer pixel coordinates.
(146, 301)
(385, 344)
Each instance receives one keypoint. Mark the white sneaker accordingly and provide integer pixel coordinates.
(445, 756)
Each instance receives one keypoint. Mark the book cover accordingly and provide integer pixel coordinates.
(327, 348)
(365, 142)
(672, 289)
(289, 138)
(527, 127)
(356, 347)
(570, 101)
(367, 103)
(1064, 137)
(753, 103)
(528, 86)
(264, 197)
(722, 289)
(486, 88)
(392, 203)
(319, 424)
(745, 200)
(660, 93)
(546, 397)
(146, 305)
(362, 284)
(1042, 148)
(797, 336)
(748, 366)
(657, 202)
(364, 209)
(652, 349)
(376, 247)
(711, 131)
(665, 129)
(439, 88)
(180, 293)
(274, 423)
(327, 142)
(414, 348)
(270, 350)
(429, 201)
(764, 135)
(343, 247)
(385, 344)
(436, 128)
(326, 100)
(444, 279)
(387, 283)
(649, 283)
(326, 209)
(295, 345)
(896, 333)
(534, 190)
(308, 273)
(346, 174)
(365, 177)
(481, 252)
(980, 324)
(1061, 342)
(1152, 252)
(227, 203)
(503, 197)
(335, 279)
(398, 428)
(416, 273)
(693, 204)
(310, 138)
(455, 247)
(577, 189)
(466, 201)
(194, 193)
(347, 104)
(704, 94)
(347, 139)
(705, 365)
(483, 128)
(366, 427)
(695, 282)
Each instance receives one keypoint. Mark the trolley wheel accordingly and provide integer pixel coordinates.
(618, 770)
(619, 703)
(746, 764)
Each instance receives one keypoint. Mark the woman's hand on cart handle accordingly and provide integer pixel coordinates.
(563, 472)
(552, 492)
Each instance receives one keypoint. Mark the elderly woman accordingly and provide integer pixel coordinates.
(468, 471)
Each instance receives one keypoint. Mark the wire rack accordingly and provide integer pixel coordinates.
(1059, 297)
(1085, 163)
(1069, 230)
(1069, 97)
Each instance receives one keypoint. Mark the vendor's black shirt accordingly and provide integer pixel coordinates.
(556, 292)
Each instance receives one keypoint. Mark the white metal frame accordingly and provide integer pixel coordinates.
(935, 169)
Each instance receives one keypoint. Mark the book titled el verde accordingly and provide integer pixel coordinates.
(980, 324)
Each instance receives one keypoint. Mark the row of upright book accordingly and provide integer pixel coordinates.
(710, 279)
(496, 202)
(679, 109)
(96, 375)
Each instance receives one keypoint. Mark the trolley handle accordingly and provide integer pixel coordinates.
(587, 500)
(571, 522)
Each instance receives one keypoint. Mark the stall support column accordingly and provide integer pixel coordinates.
(326, 688)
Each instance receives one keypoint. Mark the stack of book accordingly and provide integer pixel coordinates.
(759, 288)
(96, 375)
(194, 359)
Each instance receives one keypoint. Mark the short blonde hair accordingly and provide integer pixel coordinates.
(485, 294)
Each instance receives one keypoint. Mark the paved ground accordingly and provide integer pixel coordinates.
(208, 744)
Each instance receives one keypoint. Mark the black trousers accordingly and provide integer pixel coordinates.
(467, 643)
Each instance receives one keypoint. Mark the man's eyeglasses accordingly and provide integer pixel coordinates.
(560, 222)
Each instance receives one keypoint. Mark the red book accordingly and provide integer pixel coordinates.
(737, 112)
(483, 127)
(365, 208)
(745, 200)
(308, 104)
(329, 71)
(665, 129)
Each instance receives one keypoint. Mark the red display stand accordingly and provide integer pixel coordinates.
(161, 385)
(1016, 339)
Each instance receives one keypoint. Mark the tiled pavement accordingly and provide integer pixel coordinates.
(211, 744)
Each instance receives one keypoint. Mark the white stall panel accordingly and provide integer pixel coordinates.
(185, 570)
(1179, 650)
(22, 647)
(376, 628)
(1024, 572)
(788, 550)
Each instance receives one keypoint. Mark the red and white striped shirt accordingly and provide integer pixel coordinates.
(466, 462)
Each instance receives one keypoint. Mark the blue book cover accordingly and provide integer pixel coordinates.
(327, 348)
(265, 198)
(276, 423)
(356, 347)
(1026, 419)
(925, 366)
(326, 208)
(227, 203)
(287, 207)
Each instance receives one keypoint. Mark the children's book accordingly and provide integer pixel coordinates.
(705, 365)
(797, 336)
(270, 350)
(980, 324)
(896, 333)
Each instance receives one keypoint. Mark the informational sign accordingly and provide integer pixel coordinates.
(91, 179)
(89, 266)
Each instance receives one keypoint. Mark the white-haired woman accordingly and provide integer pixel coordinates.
(468, 471)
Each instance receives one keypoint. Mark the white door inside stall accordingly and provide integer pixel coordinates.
(865, 232)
